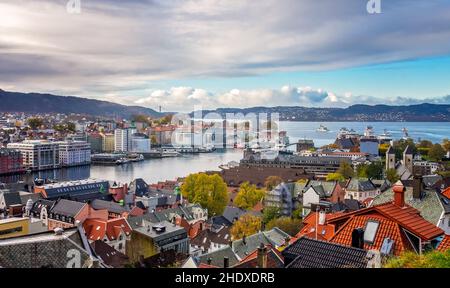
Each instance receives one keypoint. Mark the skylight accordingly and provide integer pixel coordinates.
(371, 231)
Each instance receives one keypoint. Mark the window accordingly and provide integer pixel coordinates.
(370, 231)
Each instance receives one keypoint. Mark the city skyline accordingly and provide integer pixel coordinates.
(178, 54)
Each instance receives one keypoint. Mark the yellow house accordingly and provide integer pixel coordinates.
(13, 227)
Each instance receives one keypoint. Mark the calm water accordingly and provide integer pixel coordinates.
(155, 170)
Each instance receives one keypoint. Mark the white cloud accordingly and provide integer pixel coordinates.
(184, 99)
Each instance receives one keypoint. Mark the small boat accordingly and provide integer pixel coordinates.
(170, 153)
(322, 129)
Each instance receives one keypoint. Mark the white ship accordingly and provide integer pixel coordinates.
(322, 129)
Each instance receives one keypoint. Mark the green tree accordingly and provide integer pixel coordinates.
(361, 171)
(375, 170)
(400, 146)
(432, 259)
(287, 224)
(270, 213)
(425, 144)
(297, 213)
(391, 175)
(335, 177)
(248, 196)
(210, 191)
(436, 152)
(246, 225)
(346, 170)
(35, 123)
(272, 182)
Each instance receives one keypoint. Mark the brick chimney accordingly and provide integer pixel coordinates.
(399, 194)
(262, 256)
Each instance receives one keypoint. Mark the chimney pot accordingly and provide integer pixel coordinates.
(226, 262)
(399, 194)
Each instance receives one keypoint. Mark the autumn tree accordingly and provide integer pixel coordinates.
(335, 177)
(287, 224)
(272, 182)
(248, 196)
(35, 123)
(392, 176)
(436, 152)
(345, 169)
(446, 145)
(431, 259)
(246, 225)
(210, 191)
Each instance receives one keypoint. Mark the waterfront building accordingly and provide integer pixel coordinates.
(74, 153)
(96, 142)
(140, 143)
(10, 161)
(38, 154)
(108, 142)
(122, 139)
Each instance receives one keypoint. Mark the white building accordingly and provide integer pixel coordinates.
(122, 139)
(74, 153)
(38, 154)
(140, 143)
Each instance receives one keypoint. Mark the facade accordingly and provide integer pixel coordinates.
(280, 197)
(74, 153)
(122, 139)
(65, 214)
(361, 189)
(390, 158)
(140, 143)
(369, 145)
(148, 239)
(305, 144)
(10, 161)
(37, 154)
(108, 143)
(96, 141)
(14, 227)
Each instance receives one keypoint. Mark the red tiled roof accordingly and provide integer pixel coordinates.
(386, 229)
(97, 229)
(203, 265)
(445, 244)
(324, 232)
(407, 217)
(446, 192)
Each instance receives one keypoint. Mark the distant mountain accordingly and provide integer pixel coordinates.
(48, 103)
(420, 113)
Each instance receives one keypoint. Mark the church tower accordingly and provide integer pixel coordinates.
(408, 158)
(390, 158)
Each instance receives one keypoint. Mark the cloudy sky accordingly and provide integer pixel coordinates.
(228, 53)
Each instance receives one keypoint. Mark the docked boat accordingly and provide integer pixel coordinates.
(322, 129)
(385, 137)
(169, 153)
(405, 134)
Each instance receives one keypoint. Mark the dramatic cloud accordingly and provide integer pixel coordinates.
(122, 47)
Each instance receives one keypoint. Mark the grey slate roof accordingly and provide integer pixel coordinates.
(42, 250)
(12, 198)
(274, 237)
(67, 207)
(310, 253)
(41, 203)
(360, 184)
(218, 256)
(111, 206)
(390, 151)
